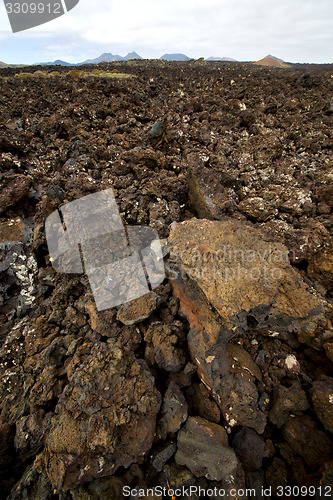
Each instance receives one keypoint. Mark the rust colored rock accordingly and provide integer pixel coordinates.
(322, 398)
(12, 189)
(325, 194)
(241, 271)
(201, 438)
(205, 251)
(138, 310)
(236, 394)
(11, 230)
(210, 191)
(105, 418)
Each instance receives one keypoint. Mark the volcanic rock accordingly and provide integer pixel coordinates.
(242, 272)
(174, 410)
(104, 419)
(313, 445)
(287, 400)
(203, 447)
(138, 310)
(250, 449)
(322, 398)
(162, 455)
(161, 347)
(12, 189)
(209, 193)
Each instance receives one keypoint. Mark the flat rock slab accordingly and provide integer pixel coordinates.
(241, 271)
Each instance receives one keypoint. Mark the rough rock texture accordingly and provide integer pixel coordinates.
(250, 449)
(242, 272)
(233, 142)
(302, 434)
(200, 438)
(322, 398)
(106, 414)
(287, 400)
(138, 310)
(174, 411)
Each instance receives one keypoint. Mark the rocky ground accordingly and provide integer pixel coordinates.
(223, 376)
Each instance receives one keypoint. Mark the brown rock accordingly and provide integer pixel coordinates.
(11, 230)
(201, 404)
(200, 438)
(257, 208)
(138, 310)
(105, 418)
(313, 445)
(287, 400)
(325, 194)
(163, 339)
(236, 395)
(12, 189)
(321, 267)
(322, 398)
(240, 269)
(208, 194)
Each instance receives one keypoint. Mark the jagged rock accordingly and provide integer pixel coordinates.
(203, 250)
(105, 417)
(210, 190)
(200, 403)
(242, 272)
(138, 310)
(321, 267)
(250, 449)
(257, 208)
(161, 349)
(12, 189)
(287, 400)
(174, 410)
(203, 447)
(313, 445)
(162, 455)
(322, 398)
(236, 395)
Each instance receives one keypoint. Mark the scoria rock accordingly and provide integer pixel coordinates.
(105, 418)
(203, 447)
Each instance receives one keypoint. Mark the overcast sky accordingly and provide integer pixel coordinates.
(293, 30)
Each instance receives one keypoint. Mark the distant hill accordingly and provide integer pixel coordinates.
(132, 55)
(273, 62)
(58, 62)
(221, 59)
(175, 57)
(106, 57)
(5, 65)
